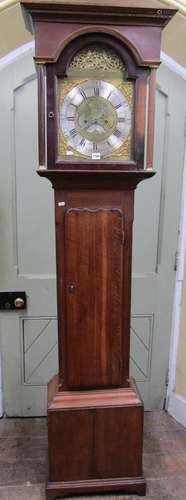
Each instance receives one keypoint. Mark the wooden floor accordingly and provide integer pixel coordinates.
(23, 450)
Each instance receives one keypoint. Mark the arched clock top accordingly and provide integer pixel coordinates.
(108, 41)
(140, 28)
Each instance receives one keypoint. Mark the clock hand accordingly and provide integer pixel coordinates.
(96, 125)
(104, 123)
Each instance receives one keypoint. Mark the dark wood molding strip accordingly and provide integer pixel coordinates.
(99, 180)
(126, 15)
(127, 485)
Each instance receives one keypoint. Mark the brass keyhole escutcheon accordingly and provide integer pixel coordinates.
(19, 303)
(71, 287)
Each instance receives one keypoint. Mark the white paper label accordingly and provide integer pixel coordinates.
(96, 156)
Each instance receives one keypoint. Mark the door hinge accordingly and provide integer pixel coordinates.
(176, 260)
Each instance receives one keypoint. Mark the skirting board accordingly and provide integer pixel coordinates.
(177, 408)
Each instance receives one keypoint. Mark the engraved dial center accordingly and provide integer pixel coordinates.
(95, 119)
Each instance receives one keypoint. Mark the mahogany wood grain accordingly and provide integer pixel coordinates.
(51, 116)
(95, 413)
(104, 446)
(75, 400)
(41, 70)
(75, 326)
(95, 440)
(94, 304)
(121, 454)
(90, 180)
(70, 445)
(49, 49)
(135, 485)
(88, 252)
(89, 10)
(110, 419)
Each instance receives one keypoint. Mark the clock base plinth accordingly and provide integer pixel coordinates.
(95, 441)
(124, 485)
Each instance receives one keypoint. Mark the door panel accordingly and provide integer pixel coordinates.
(113, 429)
(73, 459)
(39, 349)
(94, 271)
(141, 346)
(157, 222)
(147, 219)
(27, 250)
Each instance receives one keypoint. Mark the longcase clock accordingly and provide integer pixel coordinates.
(96, 85)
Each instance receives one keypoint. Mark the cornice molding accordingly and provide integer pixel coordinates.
(178, 4)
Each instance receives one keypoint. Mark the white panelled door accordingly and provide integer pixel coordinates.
(27, 260)
(27, 250)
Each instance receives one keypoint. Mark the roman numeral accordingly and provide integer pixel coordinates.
(82, 92)
(95, 147)
(118, 106)
(73, 132)
(96, 91)
(82, 142)
(116, 132)
(121, 119)
(70, 118)
(109, 95)
(72, 104)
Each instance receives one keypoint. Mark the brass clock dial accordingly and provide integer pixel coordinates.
(95, 118)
